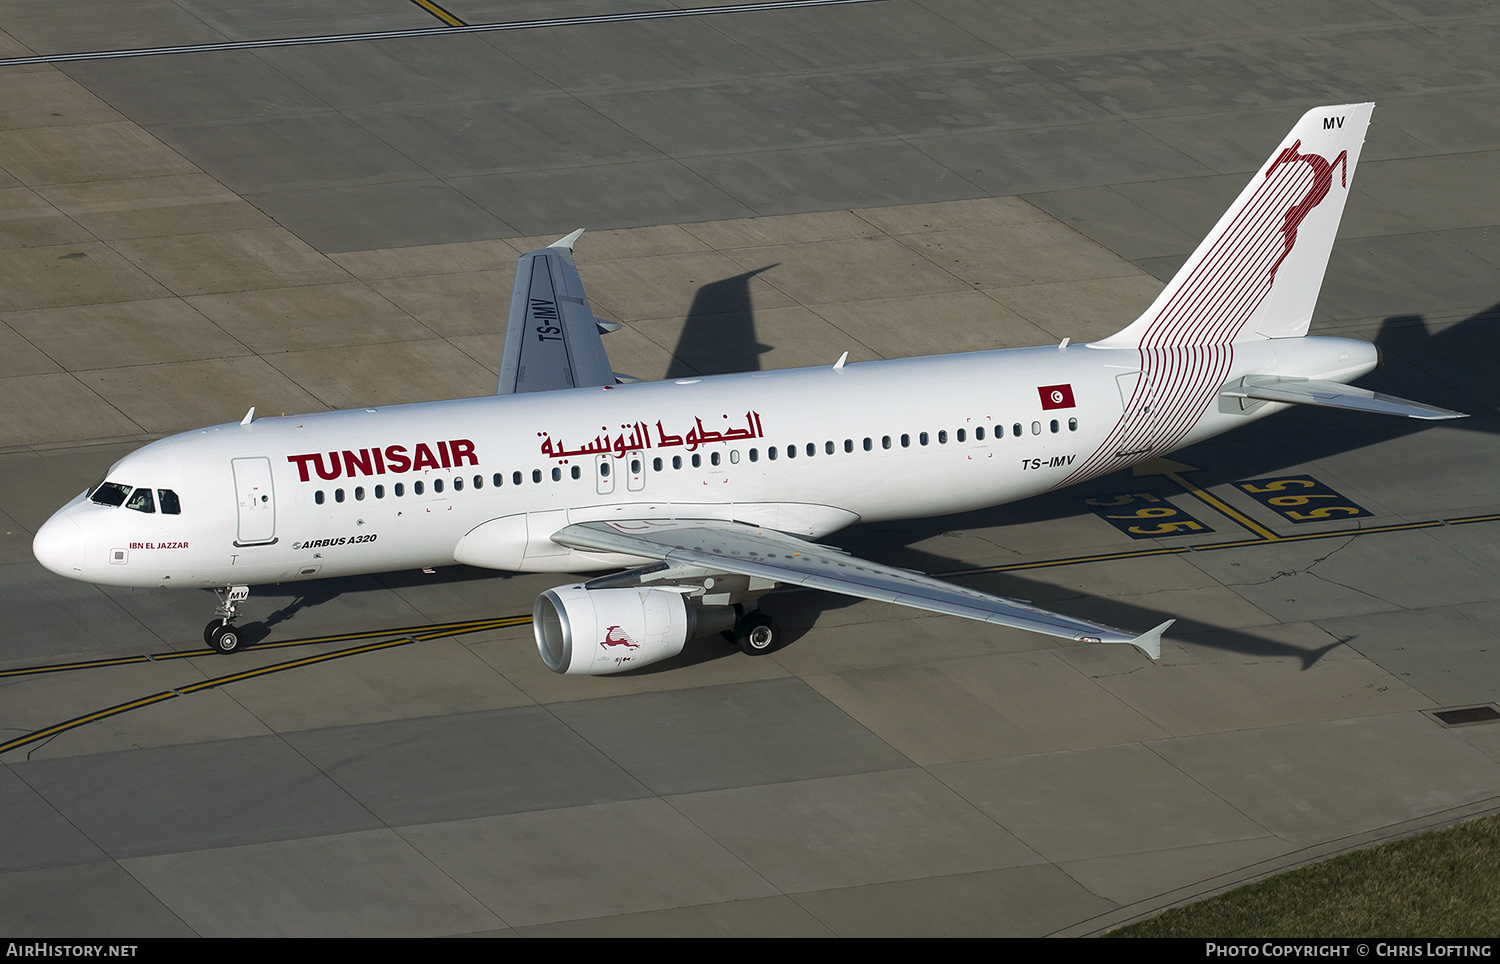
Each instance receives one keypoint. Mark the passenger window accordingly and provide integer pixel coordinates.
(169, 503)
(676, 461)
(437, 486)
(338, 494)
(791, 451)
(869, 443)
(603, 470)
(848, 445)
(577, 474)
(960, 435)
(1072, 427)
(1036, 428)
(536, 474)
(318, 496)
(714, 458)
(811, 450)
(399, 489)
(416, 488)
(978, 434)
(885, 441)
(922, 438)
(478, 481)
(771, 453)
(828, 447)
(458, 485)
(734, 457)
(697, 461)
(515, 478)
(379, 491)
(755, 455)
(498, 480)
(556, 474)
(656, 465)
(1055, 426)
(359, 493)
(1016, 430)
(906, 441)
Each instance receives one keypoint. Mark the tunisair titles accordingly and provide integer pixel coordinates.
(451, 454)
(636, 437)
(456, 453)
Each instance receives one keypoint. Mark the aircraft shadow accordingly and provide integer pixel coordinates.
(718, 336)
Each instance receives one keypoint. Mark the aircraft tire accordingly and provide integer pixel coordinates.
(757, 634)
(224, 639)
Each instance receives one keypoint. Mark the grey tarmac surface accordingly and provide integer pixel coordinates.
(309, 227)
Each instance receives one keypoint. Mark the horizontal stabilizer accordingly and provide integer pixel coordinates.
(1310, 391)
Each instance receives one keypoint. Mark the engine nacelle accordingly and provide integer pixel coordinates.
(603, 631)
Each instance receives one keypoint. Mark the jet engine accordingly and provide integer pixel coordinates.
(603, 631)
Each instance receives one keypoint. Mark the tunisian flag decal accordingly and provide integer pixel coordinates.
(1056, 396)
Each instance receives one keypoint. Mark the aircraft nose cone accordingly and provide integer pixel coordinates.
(59, 545)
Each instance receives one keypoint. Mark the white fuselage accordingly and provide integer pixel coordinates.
(337, 493)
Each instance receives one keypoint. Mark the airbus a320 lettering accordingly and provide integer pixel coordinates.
(702, 494)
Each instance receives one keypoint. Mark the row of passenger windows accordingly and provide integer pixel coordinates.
(399, 490)
(419, 487)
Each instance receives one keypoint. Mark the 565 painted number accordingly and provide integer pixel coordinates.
(1301, 499)
(1142, 515)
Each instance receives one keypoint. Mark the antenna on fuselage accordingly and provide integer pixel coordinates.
(249, 416)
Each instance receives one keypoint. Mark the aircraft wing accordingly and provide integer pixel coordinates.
(1312, 391)
(552, 339)
(767, 554)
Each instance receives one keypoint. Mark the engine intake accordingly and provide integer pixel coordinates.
(602, 631)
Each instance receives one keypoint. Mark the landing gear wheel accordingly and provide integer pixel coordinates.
(756, 634)
(223, 638)
(208, 631)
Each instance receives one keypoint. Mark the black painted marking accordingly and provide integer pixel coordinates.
(1142, 515)
(1302, 499)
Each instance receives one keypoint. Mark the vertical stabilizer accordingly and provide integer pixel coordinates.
(1257, 274)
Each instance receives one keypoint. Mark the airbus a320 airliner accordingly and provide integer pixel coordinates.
(705, 492)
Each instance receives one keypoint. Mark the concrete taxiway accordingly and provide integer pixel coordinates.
(315, 226)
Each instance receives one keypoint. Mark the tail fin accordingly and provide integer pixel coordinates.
(1257, 274)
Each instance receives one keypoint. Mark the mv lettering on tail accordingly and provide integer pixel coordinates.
(698, 496)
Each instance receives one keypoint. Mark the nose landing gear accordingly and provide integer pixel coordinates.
(220, 634)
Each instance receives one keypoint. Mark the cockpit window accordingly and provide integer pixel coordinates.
(109, 493)
(141, 501)
(169, 503)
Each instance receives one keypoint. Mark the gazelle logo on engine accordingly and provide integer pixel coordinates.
(615, 636)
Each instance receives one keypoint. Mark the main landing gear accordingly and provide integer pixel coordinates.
(220, 634)
(755, 633)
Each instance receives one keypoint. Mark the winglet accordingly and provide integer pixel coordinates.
(1150, 642)
(566, 242)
